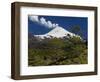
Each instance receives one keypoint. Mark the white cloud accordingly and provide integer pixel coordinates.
(43, 21)
(50, 25)
(34, 18)
(56, 25)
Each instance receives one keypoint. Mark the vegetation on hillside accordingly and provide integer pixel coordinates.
(56, 51)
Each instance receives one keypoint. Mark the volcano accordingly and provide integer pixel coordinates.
(58, 32)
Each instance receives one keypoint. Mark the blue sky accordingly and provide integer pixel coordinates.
(43, 24)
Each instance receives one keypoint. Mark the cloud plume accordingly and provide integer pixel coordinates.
(43, 21)
(34, 18)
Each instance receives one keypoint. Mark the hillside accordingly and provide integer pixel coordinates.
(56, 51)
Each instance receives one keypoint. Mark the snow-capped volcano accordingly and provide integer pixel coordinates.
(58, 32)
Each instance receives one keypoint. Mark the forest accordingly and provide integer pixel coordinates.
(56, 51)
